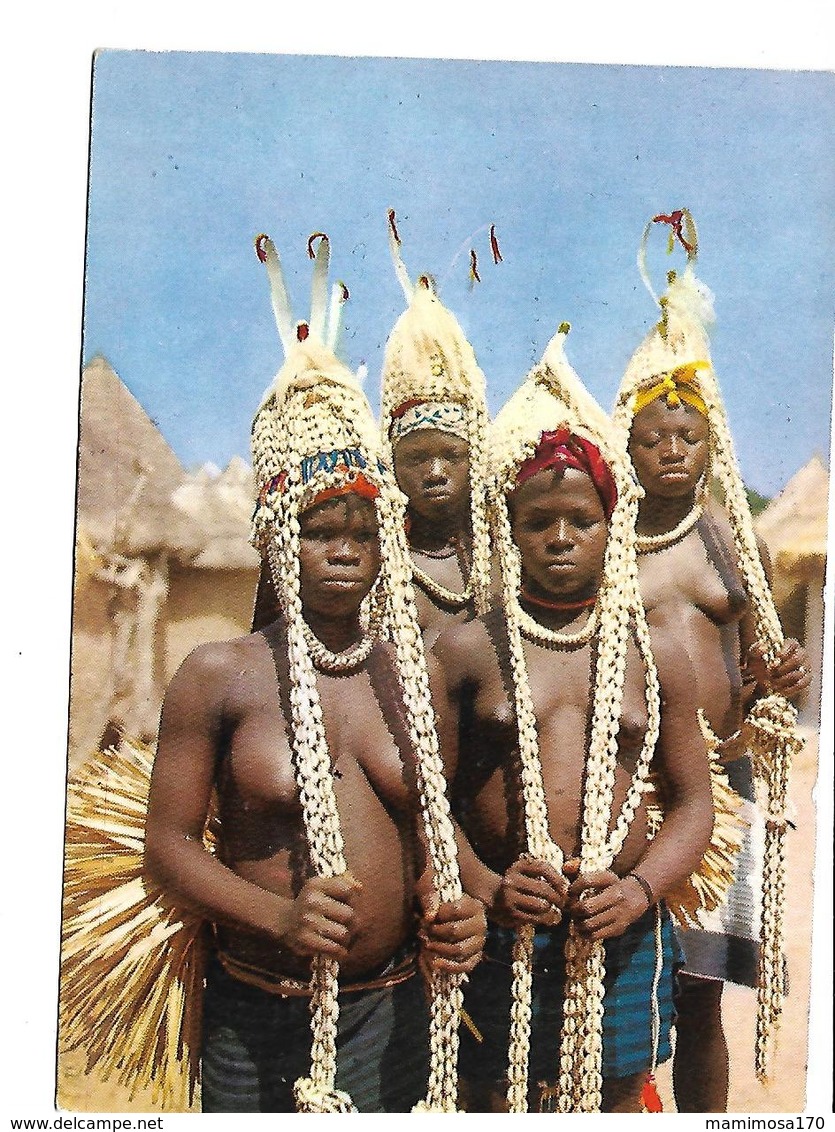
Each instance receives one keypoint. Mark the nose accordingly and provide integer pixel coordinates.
(344, 551)
(561, 535)
(672, 450)
(436, 473)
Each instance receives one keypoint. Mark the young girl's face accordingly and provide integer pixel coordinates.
(669, 448)
(560, 526)
(433, 469)
(339, 554)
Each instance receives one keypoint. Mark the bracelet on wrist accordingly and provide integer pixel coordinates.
(646, 888)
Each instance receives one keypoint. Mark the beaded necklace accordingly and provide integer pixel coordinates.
(540, 634)
(337, 663)
(561, 606)
(435, 590)
(648, 544)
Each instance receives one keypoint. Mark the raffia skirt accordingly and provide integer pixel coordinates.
(727, 947)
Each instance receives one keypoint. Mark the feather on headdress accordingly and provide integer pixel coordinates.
(314, 430)
(679, 344)
(553, 398)
(429, 360)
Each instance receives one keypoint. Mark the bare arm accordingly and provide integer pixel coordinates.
(447, 676)
(790, 674)
(681, 758)
(193, 718)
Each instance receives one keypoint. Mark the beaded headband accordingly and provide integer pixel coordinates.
(445, 416)
(431, 379)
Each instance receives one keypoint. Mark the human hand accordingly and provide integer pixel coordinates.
(452, 934)
(789, 675)
(604, 904)
(321, 918)
(531, 892)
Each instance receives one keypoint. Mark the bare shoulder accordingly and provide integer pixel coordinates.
(464, 650)
(459, 639)
(212, 665)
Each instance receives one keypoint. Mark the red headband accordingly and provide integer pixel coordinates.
(564, 449)
(356, 484)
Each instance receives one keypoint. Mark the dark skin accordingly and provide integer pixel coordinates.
(694, 587)
(225, 727)
(432, 469)
(694, 595)
(560, 527)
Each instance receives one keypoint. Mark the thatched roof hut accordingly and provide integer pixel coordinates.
(220, 505)
(794, 525)
(163, 563)
(127, 473)
(794, 528)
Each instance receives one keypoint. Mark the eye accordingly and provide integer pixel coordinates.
(318, 534)
(537, 523)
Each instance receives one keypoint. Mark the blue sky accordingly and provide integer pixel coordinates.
(194, 153)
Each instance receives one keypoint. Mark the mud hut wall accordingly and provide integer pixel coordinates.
(811, 705)
(205, 605)
(799, 595)
(92, 688)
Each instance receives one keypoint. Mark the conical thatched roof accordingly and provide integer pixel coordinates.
(221, 506)
(126, 472)
(135, 497)
(794, 524)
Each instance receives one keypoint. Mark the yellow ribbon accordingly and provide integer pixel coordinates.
(680, 384)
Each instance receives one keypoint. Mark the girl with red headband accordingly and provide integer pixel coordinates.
(551, 718)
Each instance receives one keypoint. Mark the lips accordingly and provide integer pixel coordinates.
(343, 583)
